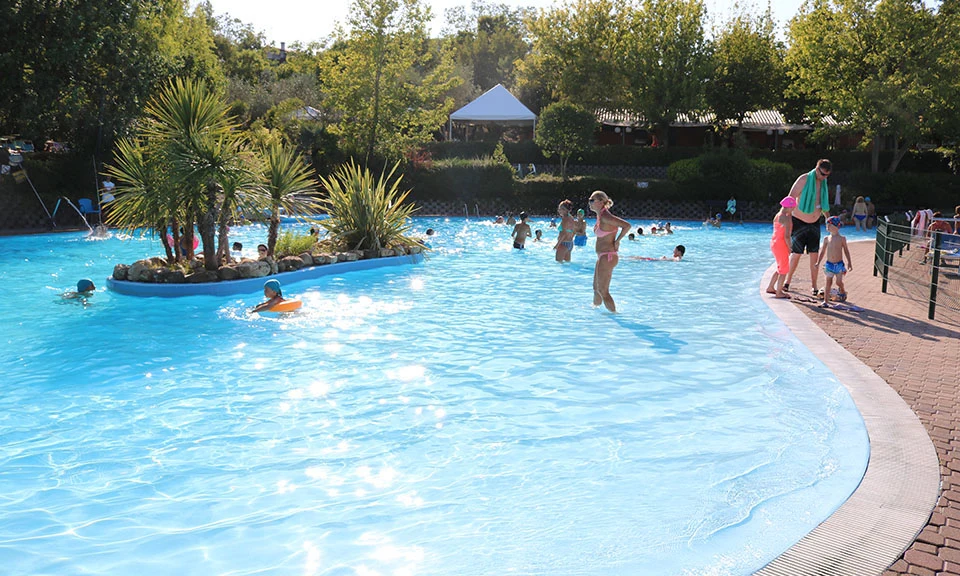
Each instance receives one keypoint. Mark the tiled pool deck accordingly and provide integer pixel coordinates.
(919, 359)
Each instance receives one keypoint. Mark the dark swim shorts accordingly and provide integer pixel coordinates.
(805, 237)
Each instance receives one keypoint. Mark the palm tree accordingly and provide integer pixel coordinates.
(144, 198)
(201, 148)
(289, 185)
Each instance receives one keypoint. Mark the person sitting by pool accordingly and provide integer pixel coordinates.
(314, 232)
(538, 236)
(261, 251)
(237, 252)
(85, 288)
(273, 294)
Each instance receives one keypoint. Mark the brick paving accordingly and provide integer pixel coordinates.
(918, 358)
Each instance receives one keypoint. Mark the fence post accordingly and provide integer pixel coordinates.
(886, 261)
(937, 243)
(881, 232)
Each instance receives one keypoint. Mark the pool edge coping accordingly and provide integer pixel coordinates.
(900, 487)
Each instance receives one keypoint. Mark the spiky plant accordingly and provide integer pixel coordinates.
(144, 198)
(287, 184)
(366, 212)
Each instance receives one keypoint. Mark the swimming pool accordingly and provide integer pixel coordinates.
(469, 415)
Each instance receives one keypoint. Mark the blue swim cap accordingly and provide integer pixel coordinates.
(273, 285)
(85, 285)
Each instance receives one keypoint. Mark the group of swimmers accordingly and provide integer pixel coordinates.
(609, 230)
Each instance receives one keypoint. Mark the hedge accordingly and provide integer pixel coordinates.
(527, 152)
(723, 173)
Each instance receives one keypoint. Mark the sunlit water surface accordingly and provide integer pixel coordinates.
(471, 415)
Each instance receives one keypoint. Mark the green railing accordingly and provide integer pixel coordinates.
(923, 267)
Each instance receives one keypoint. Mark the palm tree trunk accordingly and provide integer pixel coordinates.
(208, 228)
(171, 257)
(176, 240)
(223, 240)
(274, 228)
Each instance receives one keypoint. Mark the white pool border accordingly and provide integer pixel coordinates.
(900, 487)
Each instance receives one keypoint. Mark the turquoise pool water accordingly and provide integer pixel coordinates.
(471, 415)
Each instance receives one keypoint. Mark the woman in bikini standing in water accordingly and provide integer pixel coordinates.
(608, 242)
(564, 245)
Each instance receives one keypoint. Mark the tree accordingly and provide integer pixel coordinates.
(665, 61)
(872, 65)
(288, 185)
(564, 129)
(189, 165)
(81, 71)
(577, 54)
(487, 42)
(385, 86)
(747, 71)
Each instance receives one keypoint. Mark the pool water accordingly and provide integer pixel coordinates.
(470, 415)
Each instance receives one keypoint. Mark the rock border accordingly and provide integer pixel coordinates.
(253, 285)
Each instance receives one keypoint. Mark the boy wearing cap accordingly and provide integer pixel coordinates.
(85, 288)
(831, 255)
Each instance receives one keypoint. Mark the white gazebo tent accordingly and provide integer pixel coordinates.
(496, 106)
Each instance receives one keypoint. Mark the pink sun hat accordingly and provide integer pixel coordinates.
(789, 202)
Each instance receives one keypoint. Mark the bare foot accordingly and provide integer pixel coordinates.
(771, 291)
(782, 295)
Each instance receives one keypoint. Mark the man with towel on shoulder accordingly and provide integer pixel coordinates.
(813, 201)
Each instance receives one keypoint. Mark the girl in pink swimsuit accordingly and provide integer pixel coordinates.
(608, 242)
(782, 228)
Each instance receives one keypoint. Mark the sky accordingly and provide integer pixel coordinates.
(312, 20)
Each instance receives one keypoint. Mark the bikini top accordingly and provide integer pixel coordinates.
(599, 231)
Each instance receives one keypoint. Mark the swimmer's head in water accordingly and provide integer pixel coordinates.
(539, 233)
(523, 216)
(679, 251)
(85, 285)
(274, 286)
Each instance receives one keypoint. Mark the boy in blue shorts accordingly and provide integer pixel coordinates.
(831, 256)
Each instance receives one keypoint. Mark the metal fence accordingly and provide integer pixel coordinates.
(921, 266)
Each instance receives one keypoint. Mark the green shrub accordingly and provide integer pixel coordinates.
(724, 173)
(291, 244)
(366, 212)
(903, 190)
(462, 179)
